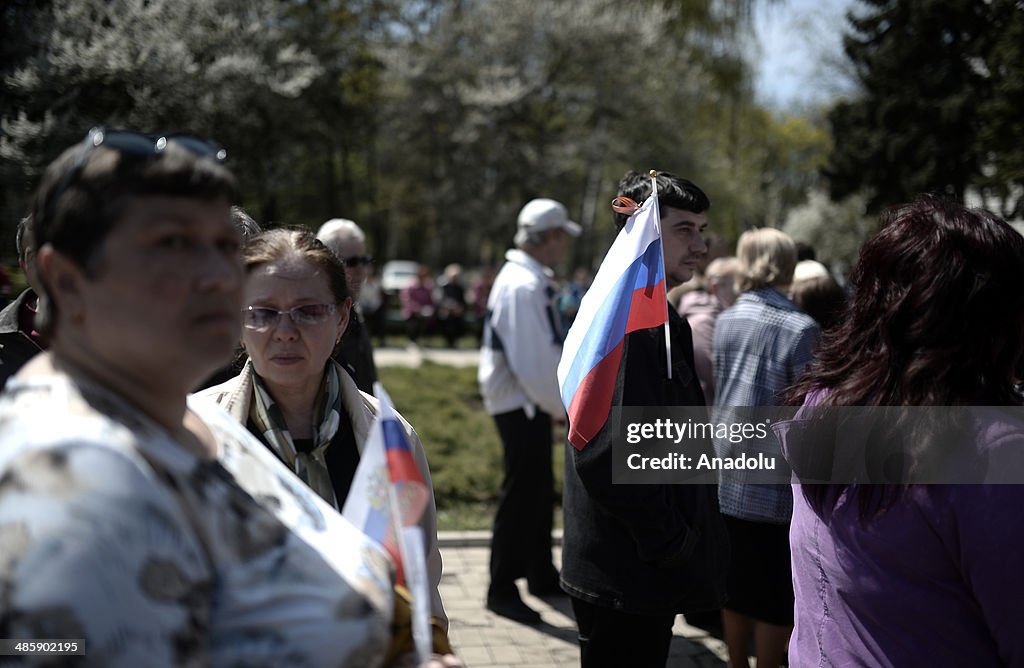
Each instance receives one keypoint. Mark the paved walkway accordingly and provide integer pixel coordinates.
(485, 640)
(413, 356)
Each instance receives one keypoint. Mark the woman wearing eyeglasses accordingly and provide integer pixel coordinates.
(290, 394)
(138, 526)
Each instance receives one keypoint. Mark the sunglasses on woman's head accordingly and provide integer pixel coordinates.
(128, 142)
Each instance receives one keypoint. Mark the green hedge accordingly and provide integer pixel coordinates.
(443, 404)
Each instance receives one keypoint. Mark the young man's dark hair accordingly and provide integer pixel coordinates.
(673, 192)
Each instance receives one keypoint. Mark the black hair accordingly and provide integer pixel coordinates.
(673, 192)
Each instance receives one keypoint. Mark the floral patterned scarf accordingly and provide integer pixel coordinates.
(311, 467)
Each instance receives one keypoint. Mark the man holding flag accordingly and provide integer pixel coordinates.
(636, 555)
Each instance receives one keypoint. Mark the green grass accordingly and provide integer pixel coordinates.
(462, 445)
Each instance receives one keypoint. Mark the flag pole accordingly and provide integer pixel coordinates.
(668, 337)
(420, 629)
(411, 567)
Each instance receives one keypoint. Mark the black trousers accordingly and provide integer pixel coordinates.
(521, 540)
(612, 639)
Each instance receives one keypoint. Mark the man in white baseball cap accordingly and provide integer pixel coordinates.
(540, 215)
(522, 344)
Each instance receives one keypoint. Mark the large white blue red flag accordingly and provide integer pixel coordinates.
(627, 294)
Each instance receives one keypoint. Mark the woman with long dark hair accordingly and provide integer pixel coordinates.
(910, 574)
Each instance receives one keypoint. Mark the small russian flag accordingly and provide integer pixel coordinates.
(387, 499)
(628, 294)
(388, 491)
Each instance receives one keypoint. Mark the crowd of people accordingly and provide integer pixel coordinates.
(832, 573)
(188, 397)
(148, 521)
(449, 306)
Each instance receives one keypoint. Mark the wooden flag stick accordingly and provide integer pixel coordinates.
(661, 241)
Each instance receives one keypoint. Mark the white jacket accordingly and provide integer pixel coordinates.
(522, 340)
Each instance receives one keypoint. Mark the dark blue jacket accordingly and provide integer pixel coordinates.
(643, 549)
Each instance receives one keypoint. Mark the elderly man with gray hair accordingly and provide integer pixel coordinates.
(522, 344)
(355, 352)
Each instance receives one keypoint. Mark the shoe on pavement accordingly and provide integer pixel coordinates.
(512, 607)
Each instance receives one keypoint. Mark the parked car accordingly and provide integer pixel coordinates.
(398, 275)
(395, 276)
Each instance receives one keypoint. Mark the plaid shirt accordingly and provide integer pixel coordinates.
(761, 346)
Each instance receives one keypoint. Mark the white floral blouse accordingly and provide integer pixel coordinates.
(112, 533)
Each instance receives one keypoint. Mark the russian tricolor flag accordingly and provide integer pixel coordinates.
(628, 294)
(387, 499)
(388, 492)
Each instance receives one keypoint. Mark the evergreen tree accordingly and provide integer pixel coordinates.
(1001, 118)
(929, 104)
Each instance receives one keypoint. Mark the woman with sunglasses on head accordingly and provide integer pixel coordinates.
(139, 527)
(291, 394)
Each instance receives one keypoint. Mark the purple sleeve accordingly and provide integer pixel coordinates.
(991, 551)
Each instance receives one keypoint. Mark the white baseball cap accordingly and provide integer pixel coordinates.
(808, 269)
(545, 214)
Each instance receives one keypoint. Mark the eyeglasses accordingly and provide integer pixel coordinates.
(130, 143)
(262, 318)
(358, 260)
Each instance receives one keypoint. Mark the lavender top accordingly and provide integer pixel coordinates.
(936, 580)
